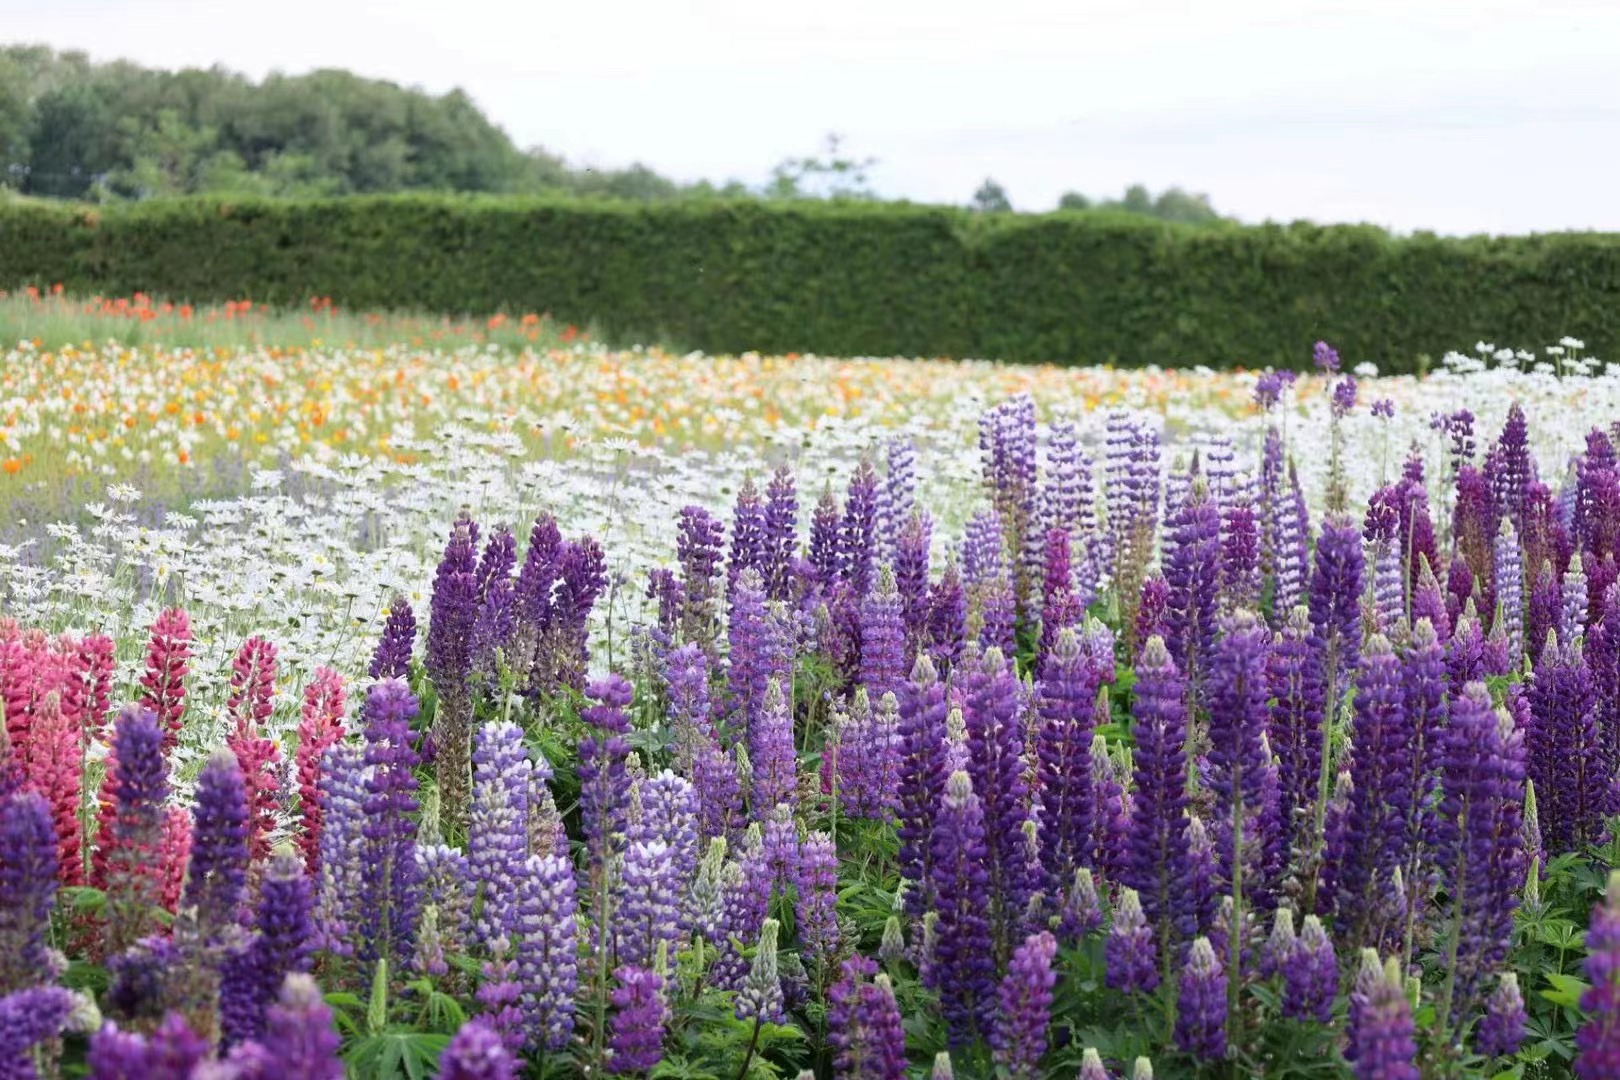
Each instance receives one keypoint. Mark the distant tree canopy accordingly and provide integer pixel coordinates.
(76, 129)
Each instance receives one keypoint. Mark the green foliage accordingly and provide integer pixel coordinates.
(848, 277)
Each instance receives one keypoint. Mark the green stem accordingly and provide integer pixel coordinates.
(753, 1043)
(1319, 818)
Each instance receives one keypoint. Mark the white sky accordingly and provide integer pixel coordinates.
(1452, 115)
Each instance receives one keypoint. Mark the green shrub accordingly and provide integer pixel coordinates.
(850, 278)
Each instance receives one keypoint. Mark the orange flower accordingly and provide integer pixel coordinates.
(13, 466)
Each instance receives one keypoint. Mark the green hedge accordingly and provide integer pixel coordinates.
(851, 279)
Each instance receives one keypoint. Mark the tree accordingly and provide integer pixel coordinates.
(1073, 200)
(833, 176)
(991, 198)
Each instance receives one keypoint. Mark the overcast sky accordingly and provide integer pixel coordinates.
(1451, 115)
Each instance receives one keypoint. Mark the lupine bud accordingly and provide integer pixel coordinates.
(942, 1067)
(1131, 953)
(1385, 1041)
(761, 995)
(1091, 1066)
(1501, 1031)
(1310, 975)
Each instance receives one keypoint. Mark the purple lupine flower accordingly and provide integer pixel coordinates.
(719, 791)
(863, 1025)
(603, 792)
(392, 660)
(545, 926)
(1598, 1040)
(1156, 866)
(911, 558)
(772, 755)
(1384, 408)
(760, 997)
(1201, 1004)
(341, 898)
(637, 1036)
(923, 770)
(28, 871)
(1567, 761)
(1429, 602)
(816, 881)
(748, 540)
(947, 618)
(1501, 1030)
(646, 912)
(1110, 805)
(1574, 603)
(1415, 535)
(449, 664)
(140, 776)
(1237, 758)
(389, 872)
(1240, 558)
(1385, 1039)
(1130, 952)
(1063, 768)
(996, 739)
(691, 714)
(1297, 690)
(497, 831)
(1192, 570)
(883, 637)
(476, 1052)
(998, 617)
(1335, 601)
(868, 756)
(27, 1019)
(1293, 558)
(824, 539)
(962, 968)
(857, 531)
(1344, 397)
(1380, 772)
(669, 812)
(1270, 387)
(747, 884)
(1423, 677)
(1381, 530)
(217, 872)
(1060, 606)
(1025, 1008)
(581, 577)
(1595, 492)
(1508, 568)
(496, 621)
(1514, 469)
(1546, 609)
(1326, 358)
(299, 1037)
(500, 997)
(700, 539)
(1479, 853)
(780, 540)
(496, 564)
(1310, 975)
(282, 944)
(1279, 944)
(761, 649)
(447, 889)
(1007, 444)
(897, 497)
(982, 560)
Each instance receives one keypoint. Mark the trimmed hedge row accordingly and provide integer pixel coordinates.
(851, 279)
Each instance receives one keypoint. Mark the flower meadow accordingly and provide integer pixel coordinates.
(1024, 724)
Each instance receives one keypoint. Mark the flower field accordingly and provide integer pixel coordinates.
(485, 707)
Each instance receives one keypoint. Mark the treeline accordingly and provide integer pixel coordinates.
(849, 278)
(74, 129)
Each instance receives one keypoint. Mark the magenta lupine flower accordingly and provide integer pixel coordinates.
(497, 831)
(1025, 1008)
(389, 871)
(911, 563)
(780, 541)
(1567, 756)
(1156, 865)
(962, 969)
(1237, 758)
(1380, 771)
(217, 873)
(1385, 1039)
(141, 781)
(28, 869)
(1063, 768)
(636, 1040)
(392, 659)
(1479, 851)
(477, 1053)
(1501, 1029)
(923, 771)
(995, 743)
(1193, 571)
(1310, 974)
(1598, 1040)
(863, 1025)
(883, 637)
(546, 929)
(1130, 952)
(816, 882)
(1201, 1004)
(771, 752)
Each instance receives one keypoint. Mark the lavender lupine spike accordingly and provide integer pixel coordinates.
(1193, 570)
(1156, 866)
(449, 665)
(1060, 605)
(691, 714)
(646, 911)
(1201, 1004)
(392, 660)
(996, 740)
(1423, 680)
(823, 548)
(1335, 609)
(857, 531)
(545, 926)
(1429, 601)
(982, 560)
(899, 494)
(1514, 470)
(816, 881)
(923, 772)
(141, 777)
(1237, 757)
(781, 540)
(389, 873)
(760, 649)
(1479, 852)
(1385, 1038)
(1573, 608)
(962, 967)
(497, 833)
(947, 618)
(29, 1018)
(340, 890)
(748, 539)
(604, 794)
(1279, 944)
(1501, 1031)
(28, 878)
(1063, 746)
(700, 539)
(883, 637)
(1598, 1040)
(1019, 1036)
(637, 1039)
(1007, 442)
(1297, 691)
(760, 998)
(1240, 558)
(281, 946)
(1567, 759)
(1293, 565)
(1381, 530)
(863, 1025)
(1509, 578)
(771, 751)
(447, 887)
(1310, 975)
(1380, 770)
(1130, 952)
(217, 871)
